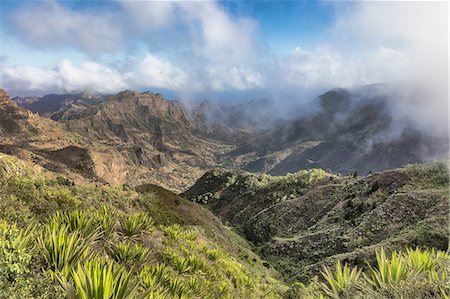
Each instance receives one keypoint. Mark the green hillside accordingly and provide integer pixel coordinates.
(304, 221)
(59, 239)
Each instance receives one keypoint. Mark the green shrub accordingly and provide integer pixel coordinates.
(340, 280)
(63, 249)
(15, 253)
(134, 224)
(99, 279)
(125, 252)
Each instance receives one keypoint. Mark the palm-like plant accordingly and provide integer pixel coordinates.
(389, 271)
(135, 223)
(76, 221)
(153, 276)
(173, 232)
(181, 265)
(340, 280)
(99, 279)
(125, 252)
(106, 219)
(197, 263)
(420, 260)
(63, 249)
(178, 288)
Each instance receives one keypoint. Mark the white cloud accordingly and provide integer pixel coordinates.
(405, 43)
(89, 75)
(156, 72)
(49, 24)
(200, 47)
(66, 77)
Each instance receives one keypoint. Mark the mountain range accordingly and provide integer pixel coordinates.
(346, 131)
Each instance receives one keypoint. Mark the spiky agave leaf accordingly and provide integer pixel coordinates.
(100, 279)
(389, 272)
(63, 249)
(126, 252)
(339, 280)
(134, 224)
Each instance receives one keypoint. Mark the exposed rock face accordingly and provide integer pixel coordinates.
(153, 136)
(130, 138)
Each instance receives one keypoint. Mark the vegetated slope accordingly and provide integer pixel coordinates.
(56, 235)
(302, 221)
(352, 130)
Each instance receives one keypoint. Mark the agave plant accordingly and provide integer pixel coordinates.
(440, 279)
(126, 252)
(420, 260)
(153, 276)
(63, 249)
(99, 279)
(212, 253)
(194, 284)
(181, 265)
(389, 271)
(134, 224)
(178, 288)
(197, 263)
(173, 232)
(76, 221)
(106, 219)
(224, 291)
(340, 280)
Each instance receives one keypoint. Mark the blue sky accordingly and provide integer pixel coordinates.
(209, 49)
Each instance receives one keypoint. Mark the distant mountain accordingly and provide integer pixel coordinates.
(344, 131)
(54, 105)
(351, 131)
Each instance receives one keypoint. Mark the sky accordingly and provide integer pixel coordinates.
(221, 49)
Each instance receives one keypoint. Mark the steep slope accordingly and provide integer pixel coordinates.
(43, 141)
(305, 220)
(129, 138)
(137, 233)
(156, 140)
